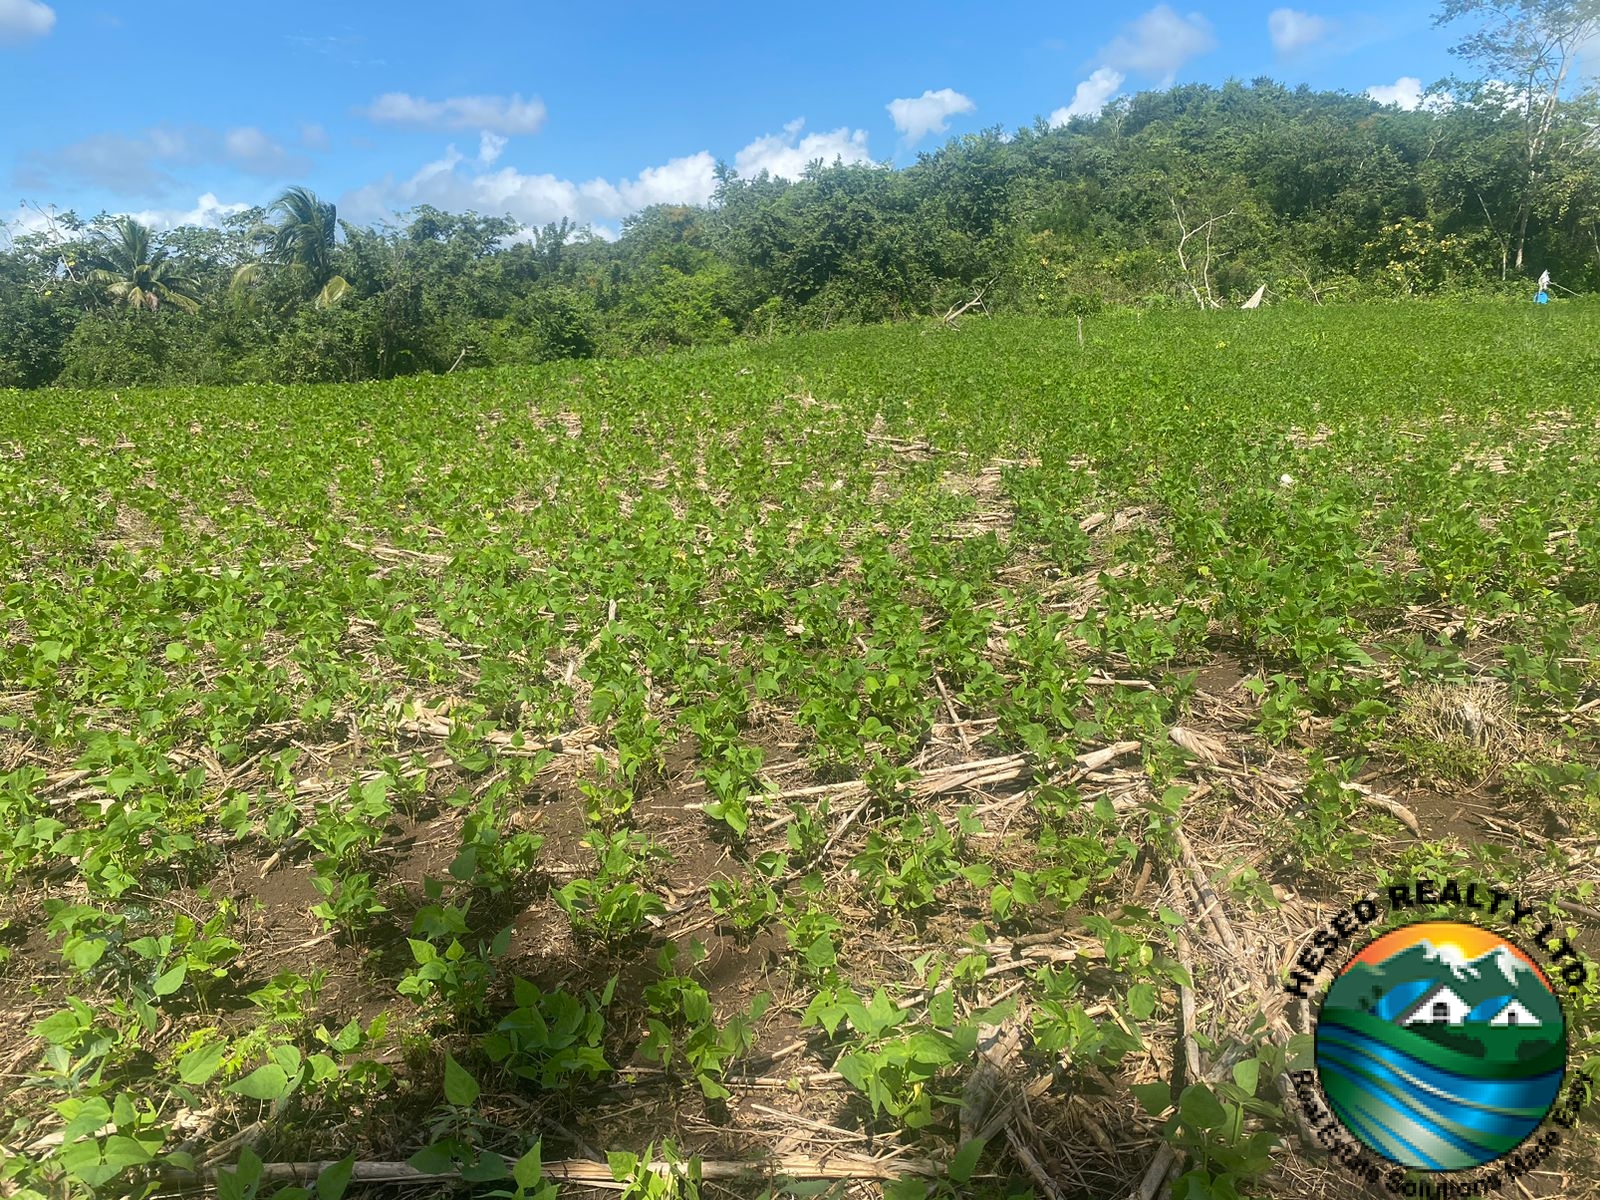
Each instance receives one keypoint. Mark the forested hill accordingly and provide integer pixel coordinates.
(1194, 196)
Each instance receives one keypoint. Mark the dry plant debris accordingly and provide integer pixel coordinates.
(908, 764)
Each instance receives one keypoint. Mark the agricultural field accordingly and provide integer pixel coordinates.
(900, 761)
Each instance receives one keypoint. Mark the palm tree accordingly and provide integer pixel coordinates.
(301, 242)
(132, 272)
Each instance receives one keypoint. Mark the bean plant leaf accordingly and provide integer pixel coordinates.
(460, 1088)
(202, 1063)
(334, 1179)
(1200, 1109)
(269, 1082)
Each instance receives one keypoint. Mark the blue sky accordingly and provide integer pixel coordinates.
(176, 111)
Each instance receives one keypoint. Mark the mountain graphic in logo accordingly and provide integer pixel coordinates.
(1441, 1046)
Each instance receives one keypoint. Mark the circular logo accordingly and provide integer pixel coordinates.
(1440, 1046)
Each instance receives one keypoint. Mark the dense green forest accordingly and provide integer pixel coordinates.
(1195, 195)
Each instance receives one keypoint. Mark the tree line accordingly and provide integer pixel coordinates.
(1195, 195)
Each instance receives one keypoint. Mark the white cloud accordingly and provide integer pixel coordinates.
(1291, 29)
(453, 183)
(1159, 43)
(1156, 45)
(1091, 96)
(498, 114)
(207, 212)
(115, 161)
(141, 164)
(1405, 93)
(490, 147)
(313, 136)
(23, 220)
(928, 113)
(689, 180)
(23, 20)
(253, 151)
(786, 155)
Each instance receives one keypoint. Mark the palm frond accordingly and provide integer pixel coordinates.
(135, 272)
(333, 291)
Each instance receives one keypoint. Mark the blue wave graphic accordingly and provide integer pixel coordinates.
(1422, 1116)
(1385, 1093)
(1401, 997)
(1465, 1090)
(1490, 1008)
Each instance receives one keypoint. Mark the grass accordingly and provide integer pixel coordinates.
(808, 760)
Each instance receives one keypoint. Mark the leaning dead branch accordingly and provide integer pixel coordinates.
(1198, 276)
(959, 310)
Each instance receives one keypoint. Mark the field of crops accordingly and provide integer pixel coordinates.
(901, 760)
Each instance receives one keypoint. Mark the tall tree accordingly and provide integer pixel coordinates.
(1527, 49)
(301, 242)
(133, 271)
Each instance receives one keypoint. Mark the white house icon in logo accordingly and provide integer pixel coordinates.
(1438, 1006)
(1514, 1014)
(1441, 1006)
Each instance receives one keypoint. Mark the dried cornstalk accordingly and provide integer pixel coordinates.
(598, 1174)
(968, 774)
(1203, 746)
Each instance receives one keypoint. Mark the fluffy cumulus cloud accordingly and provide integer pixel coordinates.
(497, 114)
(457, 182)
(786, 155)
(918, 116)
(142, 164)
(1093, 94)
(1291, 29)
(1158, 43)
(1405, 92)
(208, 212)
(1154, 45)
(688, 180)
(490, 147)
(23, 20)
